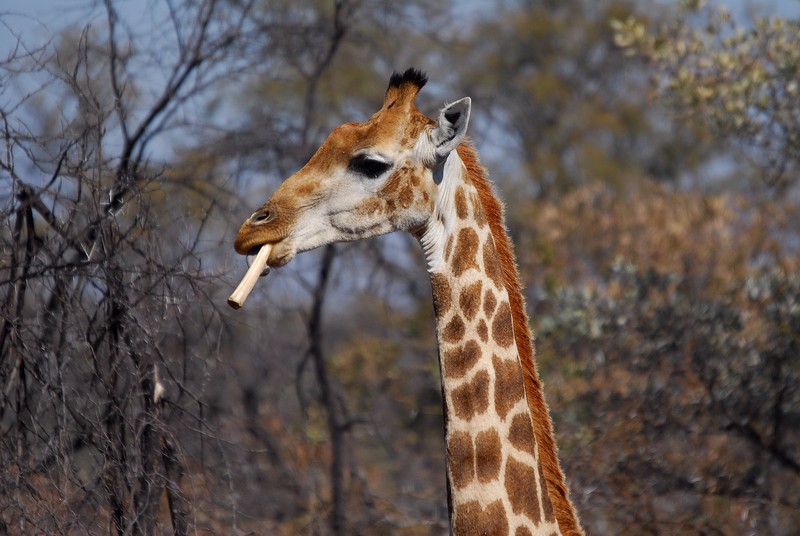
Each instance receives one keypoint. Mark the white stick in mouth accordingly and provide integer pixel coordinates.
(236, 300)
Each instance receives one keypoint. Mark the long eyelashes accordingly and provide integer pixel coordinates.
(367, 166)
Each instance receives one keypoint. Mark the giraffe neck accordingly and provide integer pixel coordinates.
(496, 481)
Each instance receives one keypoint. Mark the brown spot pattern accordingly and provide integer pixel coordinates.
(521, 489)
(546, 504)
(523, 531)
(458, 361)
(306, 189)
(472, 398)
(406, 196)
(491, 264)
(521, 434)
(392, 184)
(442, 295)
(454, 330)
(489, 303)
(371, 206)
(461, 459)
(508, 387)
(488, 455)
(477, 211)
(503, 326)
(470, 299)
(448, 249)
(472, 520)
(483, 330)
(461, 204)
(416, 123)
(466, 251)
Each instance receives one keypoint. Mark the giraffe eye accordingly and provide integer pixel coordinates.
(369, 167)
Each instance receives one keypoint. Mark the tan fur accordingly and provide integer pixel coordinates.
(495, 213)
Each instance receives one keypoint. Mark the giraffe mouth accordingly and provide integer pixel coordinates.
(247, 243)
(282, 252)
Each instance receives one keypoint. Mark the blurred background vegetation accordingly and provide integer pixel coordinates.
(647, 152)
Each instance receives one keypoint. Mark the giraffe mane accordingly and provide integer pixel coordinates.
(495, 214)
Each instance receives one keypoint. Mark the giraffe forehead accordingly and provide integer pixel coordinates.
(351, 137)
(387, 130)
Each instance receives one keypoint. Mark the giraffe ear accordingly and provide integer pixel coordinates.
(452, 127)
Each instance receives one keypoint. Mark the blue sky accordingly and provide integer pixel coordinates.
(40, 19)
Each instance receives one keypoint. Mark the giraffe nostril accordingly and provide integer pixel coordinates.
(261, 216)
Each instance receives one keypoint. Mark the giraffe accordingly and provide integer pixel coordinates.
(401, 170)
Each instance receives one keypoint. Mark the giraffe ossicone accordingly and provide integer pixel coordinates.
(402, 171)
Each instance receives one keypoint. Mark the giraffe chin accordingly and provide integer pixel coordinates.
(282, 253)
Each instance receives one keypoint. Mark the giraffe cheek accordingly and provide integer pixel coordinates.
(354, 225)
(406, 197)
(371, 208)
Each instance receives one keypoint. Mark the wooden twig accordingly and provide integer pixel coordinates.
(236, 300)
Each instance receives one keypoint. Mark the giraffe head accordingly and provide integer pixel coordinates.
(366, 179)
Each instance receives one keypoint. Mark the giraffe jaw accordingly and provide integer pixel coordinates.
(282, 253)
